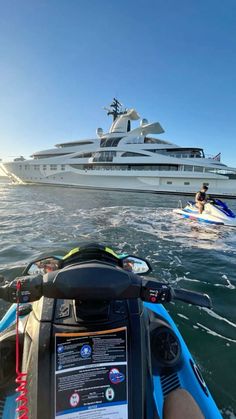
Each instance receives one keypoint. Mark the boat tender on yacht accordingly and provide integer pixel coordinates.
(126, 159)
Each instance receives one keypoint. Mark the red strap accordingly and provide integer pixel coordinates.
(21, 378)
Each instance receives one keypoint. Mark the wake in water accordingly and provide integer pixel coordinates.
(163, 224)
(39, 221)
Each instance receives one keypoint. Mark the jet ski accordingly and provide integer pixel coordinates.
(89, 336)
(215, 212)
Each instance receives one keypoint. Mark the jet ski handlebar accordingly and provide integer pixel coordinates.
(192, 297)
(96, 281)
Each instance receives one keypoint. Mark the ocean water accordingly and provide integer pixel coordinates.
(36, 220)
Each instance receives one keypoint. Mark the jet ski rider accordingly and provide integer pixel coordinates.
(201, 198)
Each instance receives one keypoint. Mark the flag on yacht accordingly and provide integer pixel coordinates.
(217, 157)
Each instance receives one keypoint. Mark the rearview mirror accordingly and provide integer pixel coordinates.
(136, 265)
(43, 266)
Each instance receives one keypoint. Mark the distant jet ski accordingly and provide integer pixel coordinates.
(215, 212)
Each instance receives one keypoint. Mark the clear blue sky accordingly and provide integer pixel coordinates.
(61, 61)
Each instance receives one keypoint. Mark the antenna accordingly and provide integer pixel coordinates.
(115, 109)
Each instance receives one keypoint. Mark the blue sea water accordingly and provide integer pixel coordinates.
(36, 220)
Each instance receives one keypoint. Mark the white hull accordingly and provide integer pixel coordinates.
(123, 180)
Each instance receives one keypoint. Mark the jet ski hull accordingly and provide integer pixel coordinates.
(211, 215)
(192, 215)
(184, 374)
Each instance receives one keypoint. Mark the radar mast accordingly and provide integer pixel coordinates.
(115, 109)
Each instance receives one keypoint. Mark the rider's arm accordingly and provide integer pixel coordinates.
(205, 200)
(197, 197)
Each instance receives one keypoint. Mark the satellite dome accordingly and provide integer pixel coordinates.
(144, 121)
(99, 132)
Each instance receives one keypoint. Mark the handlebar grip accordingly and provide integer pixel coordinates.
(30, 289)
(3, 292)
(192, 297)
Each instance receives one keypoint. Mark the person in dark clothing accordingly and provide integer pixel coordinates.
(201, 198)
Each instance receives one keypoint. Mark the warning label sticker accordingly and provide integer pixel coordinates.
(91, 375)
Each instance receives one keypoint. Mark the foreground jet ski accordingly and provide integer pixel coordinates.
(94, 340)
(215, 212)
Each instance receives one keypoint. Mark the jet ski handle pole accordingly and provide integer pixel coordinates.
(152, 291)
(192, 297)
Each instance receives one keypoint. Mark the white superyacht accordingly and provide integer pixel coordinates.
(126, 159)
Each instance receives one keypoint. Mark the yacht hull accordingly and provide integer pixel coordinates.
(123, 180)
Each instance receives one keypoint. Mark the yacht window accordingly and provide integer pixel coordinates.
(151, 140)
(185, 153)
(198, 169)
(83, 156)
(163, 152)
(188, 168)
(169, 182)
(98, 166)
(44, 167)
(75, 143)
(153, 150)
(63, 166)
(131, 154)
(53, 167)
(20, 166)
(186, 183)
(46, 156)
(104, 156)
(110, 142)
(167, 167)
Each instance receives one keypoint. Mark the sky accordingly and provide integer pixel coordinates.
(62, 61)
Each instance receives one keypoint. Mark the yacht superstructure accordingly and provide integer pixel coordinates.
(126, 159)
